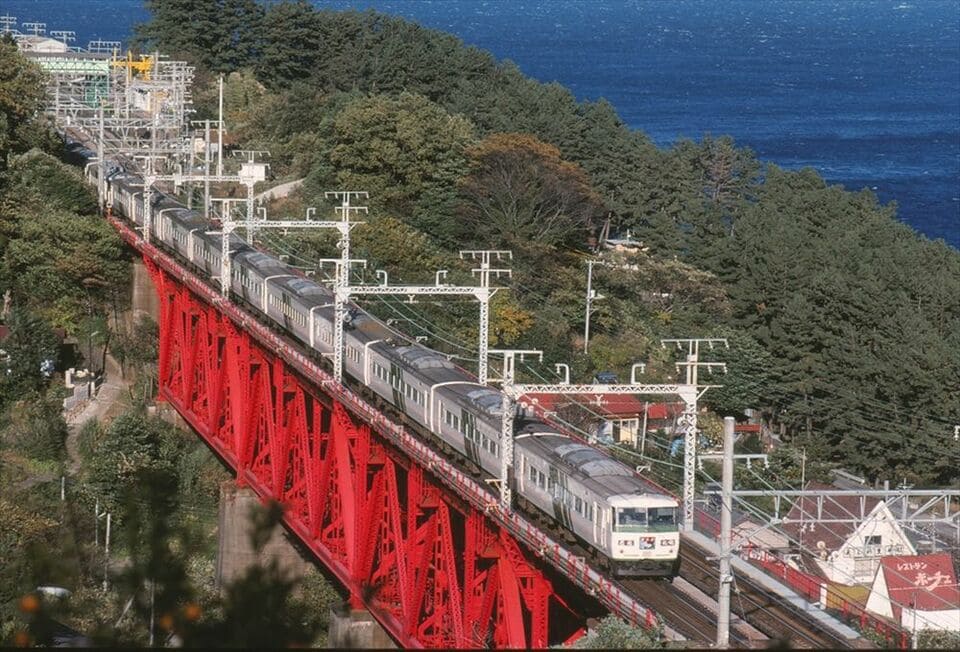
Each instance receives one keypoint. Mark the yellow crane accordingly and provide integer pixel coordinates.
(143, 67)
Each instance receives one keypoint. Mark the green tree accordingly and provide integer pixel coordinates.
(36, 427)
(133, 445)
(22, 100)
(29, 345)
(219, 35)
(291, 43)
(612, 633)
(406, 151)
(519, 190)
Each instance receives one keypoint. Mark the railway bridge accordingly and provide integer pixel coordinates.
(430, 551)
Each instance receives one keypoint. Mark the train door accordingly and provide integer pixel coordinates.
(557, 486)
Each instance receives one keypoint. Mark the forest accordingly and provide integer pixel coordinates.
(844, 323)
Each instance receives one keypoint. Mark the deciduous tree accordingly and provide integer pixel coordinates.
(520, 190)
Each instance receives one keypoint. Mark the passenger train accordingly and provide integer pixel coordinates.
(597, 499)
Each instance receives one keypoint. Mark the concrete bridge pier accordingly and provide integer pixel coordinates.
(356, 629)
(235, 553)
(144, 300)
(350, 627)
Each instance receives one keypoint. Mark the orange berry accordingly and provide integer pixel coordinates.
(29, 604)
(192, 612)
(166, 621)
(21, 639)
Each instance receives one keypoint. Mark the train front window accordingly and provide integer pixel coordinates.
(663, 518)
(630, 519)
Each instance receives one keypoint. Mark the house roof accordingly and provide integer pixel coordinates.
(609, 405)
(806, 514)
(928, 582)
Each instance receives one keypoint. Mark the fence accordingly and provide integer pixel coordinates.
(818, 590)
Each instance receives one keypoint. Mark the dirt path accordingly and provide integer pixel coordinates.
(110, 391)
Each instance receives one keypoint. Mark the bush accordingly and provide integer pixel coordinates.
(611, 633)
(88, 439)
(36, 428)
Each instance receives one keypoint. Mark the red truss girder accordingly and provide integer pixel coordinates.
(378, 521)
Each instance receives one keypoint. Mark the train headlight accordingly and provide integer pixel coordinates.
(668, 542)
(627, 542)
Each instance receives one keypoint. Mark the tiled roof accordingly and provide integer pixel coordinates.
(610, 405)
(833, 535)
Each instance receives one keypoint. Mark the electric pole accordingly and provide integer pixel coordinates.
(726, 521)
(688, 420)
(591, 297)
(485, 271)
(513, 392)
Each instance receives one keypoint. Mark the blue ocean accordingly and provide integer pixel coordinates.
(866, 92)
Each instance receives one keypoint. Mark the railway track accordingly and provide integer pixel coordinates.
(764, 610)
(682, 612)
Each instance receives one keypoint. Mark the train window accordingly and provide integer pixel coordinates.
(451, 419)
(578, 504)
(663, 515)
(541, 479)
(533, 475)
(626, 519)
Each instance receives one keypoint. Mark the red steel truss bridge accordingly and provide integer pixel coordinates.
(421, 545)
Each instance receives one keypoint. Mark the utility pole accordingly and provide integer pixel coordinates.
(36, 28)
(688, 419)
(591, 297)
(63, 36)
(8, 22)
(726, 521)
(508, 407)
(342, 284)
(251, 172)
(101, 172)
(484, 272)
(106, 554)
(220, 127)
(481, 293)
(206, 166)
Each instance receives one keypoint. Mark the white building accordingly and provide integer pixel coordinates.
(848, 535)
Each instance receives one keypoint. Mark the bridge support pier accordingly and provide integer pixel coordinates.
(144, 301)
(356, 629)
(235, 553)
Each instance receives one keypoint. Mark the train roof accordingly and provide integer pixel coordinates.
(304, 287)
(420, 357)
(598, 472)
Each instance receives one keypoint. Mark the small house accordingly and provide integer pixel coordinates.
(847, 534)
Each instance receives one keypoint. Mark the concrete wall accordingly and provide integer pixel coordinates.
(144, 300)
(356, 630)
(235, 552)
